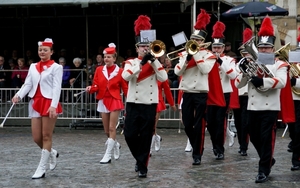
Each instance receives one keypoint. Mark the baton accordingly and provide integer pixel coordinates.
(76, 94)
(1, 125)
(286, 127)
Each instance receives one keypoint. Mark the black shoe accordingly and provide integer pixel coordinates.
(273, 162)
(136, 168)
(142, 174)
(261, 178)
(197, 162)
(293, 168)
(290, 150)
(220, 156)
(243, 153)
(215, 152)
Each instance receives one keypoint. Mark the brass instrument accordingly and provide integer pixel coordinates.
(283, 54)
(252, 67)
(157, 48)
(191, 47)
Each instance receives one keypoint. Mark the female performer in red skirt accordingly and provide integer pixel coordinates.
(161, 106)
(43, 85)
(108, 83)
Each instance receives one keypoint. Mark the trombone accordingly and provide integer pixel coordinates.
(157, 48)
(191, 47)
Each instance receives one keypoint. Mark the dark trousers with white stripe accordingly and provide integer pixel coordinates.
(138, 131)
(294, 129)
(193, 112)
(262, 130)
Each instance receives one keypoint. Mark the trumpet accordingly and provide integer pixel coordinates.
(191, 47)
(157, 48)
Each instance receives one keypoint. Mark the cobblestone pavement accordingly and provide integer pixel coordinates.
(81, 150)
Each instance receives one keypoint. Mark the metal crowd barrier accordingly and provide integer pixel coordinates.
(80, 110)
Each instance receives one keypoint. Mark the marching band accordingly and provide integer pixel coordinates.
(258, 88)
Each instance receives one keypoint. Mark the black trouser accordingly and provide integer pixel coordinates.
(193, 112)
(138, 131)
(294, 129)
(241, 123)
(262, 130)
(216, 124)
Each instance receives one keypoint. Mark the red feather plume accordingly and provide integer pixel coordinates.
(218, 30)
(142, 23)
(247, 35)
(266, 27)
(202, 20)
(298, 38)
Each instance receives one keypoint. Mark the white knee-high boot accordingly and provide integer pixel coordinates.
(41, 169)
(107, 156)
(188, 147)
(152, 142)
(117, 148)
(53, 156)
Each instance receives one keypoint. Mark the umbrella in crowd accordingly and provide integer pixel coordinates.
(254, 9)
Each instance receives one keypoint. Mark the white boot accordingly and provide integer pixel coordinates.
(188, 147)
(53, 157)
(152, 142)
(157, 142)
(117, 148)
(107, 156)
(230, 135)
(41, 169)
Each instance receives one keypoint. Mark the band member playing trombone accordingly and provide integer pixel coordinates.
(264, 88)
(194, 70)
(142, 73)
(217, 115)
(108, 83)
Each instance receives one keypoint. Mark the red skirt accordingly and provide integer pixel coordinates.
(113, 104)
(160, 106)
(42, 104)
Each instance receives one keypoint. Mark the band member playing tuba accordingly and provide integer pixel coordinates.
(194, 70)
(216, 115)
(239, 97)
(264, 106)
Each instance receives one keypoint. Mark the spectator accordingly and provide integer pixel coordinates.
(99, 60)
(19, 74)
(228, 51)
(3, 77)
(66, 77)
(78, 75)
(90, 70)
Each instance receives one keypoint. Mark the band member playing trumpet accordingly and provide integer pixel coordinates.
(108, 84)
(194, 70)
(217, 115)
(264, 106)
(142, 73)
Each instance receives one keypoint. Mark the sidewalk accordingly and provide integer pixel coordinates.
(81, 150)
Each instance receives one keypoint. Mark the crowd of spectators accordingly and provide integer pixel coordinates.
(78, 68)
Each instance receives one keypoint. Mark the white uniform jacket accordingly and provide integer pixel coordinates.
(50, 83)
(269, 100)
(297, 86)
(243, 91)
(227, 72)
(142, 83)
(195, 73)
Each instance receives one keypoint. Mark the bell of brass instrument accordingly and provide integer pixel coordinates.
(191, 47)
(157, 48)
(252, 67)
(283, 52)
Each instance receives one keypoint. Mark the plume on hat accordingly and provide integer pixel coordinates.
(202, 20)
(142, 23)
(247, 35)
(266, 28)
(298, 38)
(218, 30)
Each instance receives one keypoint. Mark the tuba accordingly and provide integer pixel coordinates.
(252, 67)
